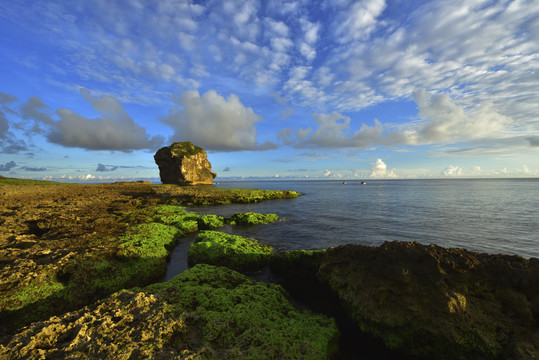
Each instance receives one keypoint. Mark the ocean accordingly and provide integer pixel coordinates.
(496, 216)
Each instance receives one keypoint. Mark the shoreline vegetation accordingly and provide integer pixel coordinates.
(82, 269)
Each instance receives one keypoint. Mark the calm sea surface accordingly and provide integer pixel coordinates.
(486, 215)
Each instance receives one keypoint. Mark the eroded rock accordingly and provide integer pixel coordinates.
(206, 312)
(183, 163)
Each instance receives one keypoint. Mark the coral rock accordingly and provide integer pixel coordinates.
(183, 163)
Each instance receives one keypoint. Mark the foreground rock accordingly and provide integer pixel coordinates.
(206, 312)
(183, 163)
(429, 301)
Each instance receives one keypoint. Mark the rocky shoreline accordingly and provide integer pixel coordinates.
(68, 253)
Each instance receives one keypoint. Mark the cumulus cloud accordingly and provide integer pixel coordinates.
(333, 131)
(441, 121)
(331, 175)
(379, 170)
(447, 121)
(8, 166)
(452, 171)
(215, 123)
(113, 130)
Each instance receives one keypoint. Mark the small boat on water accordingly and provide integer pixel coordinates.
(344, 182)
(363, 183)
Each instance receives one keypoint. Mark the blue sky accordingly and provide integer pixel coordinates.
(337, 89)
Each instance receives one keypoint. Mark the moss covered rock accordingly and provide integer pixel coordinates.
(235, 252)
(205, 313)
(210, 222)
(251, 218)
(439, 303)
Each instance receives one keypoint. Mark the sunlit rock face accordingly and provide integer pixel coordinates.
(183, 163)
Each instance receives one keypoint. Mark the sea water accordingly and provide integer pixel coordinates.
(486, 215)
(495, 216)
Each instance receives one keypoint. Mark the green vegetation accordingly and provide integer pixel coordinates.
(239, 318)
(207, 195)
(250, 218)
(137, 258)
(235, 252)
(148, 240)
(27, 182)
(210, 222)
(185, 148)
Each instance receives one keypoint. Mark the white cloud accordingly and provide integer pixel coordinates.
(331, 175)
(307, 51)
(359, 20)
(310, 30)
(114, 130)
(452, 171)
(379, 170)
(215, 123)
(281, 44)
(187, 41)
(441, 121)
(447, 121)
(278, 27)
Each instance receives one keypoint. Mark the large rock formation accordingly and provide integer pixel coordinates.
(428, 301)
(183, 163)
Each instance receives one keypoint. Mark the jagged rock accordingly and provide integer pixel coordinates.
(183, 163)
(206, 312)
(428, 301)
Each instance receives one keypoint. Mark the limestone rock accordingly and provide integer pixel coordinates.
(183, 163)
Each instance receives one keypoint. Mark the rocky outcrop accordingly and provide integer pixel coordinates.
(206, 312)
(183, 163)
(428, 301)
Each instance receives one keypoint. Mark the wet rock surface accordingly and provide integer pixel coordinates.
(183, 163)
(428, 301)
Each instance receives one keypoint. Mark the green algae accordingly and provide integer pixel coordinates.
(238, 317)
(207, 195)
(251, 218)
(148, 240)
(236, 252)
(210, 222)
